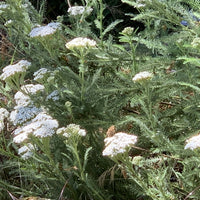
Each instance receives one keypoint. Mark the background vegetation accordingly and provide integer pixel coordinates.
(95, 90)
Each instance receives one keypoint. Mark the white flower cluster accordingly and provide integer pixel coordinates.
(45, 30)
(23, 114)
(3, 115)
(128, 31)
(70, 130)
(79, 10)
(54, 96)
(193, 142)
(43, 125)
(41, 74)
(142, 76)
(118, 144)
(22, 98)
(26, 150)
(11, 70)
(80, 42)
(3, 5)
(25, 109)
(32, 89)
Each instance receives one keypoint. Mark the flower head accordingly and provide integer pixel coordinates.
(41, 74)
(43, 125)
(142, 76)
(17, 69)
(23, 114)
(79, 10)
(80, 42)
(45, 30)
(3, 115)
(193, 142)
(118, 144)
(128, 31)
(71, 130)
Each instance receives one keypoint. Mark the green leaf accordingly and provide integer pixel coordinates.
(111, 26)
(189, 85)
(86, 157)
(97, 23)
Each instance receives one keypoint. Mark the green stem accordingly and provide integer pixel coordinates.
(101, 21)
(133, 48)
(149, 106)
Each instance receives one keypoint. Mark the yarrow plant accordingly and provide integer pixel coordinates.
(43, 31)
(142, 76)
(43, 125)
(80, 43)
(71, 130)
(79, 10)
(14, 74)
(4, 114)
(193, 142)
(118, 144)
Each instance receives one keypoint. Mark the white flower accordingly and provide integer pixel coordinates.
(26, 151)
(71, 130)
(3, 115)
(53, 96)
(42, 125)
(21, 137)
(18, 68)
(22, 99)
(128, 31)
(23, 114)
(142, 76)
(40, 74)
(45, 30)
(32, 89)
(118, 144)
(80, 42)
(8, 22)
(193, 142)
(79, 10)
(3, 5)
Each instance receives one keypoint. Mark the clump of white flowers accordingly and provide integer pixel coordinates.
(25, 110)
(80, 42)
(118, 144)
(3, 5)
(23, 114)
(41, 74)
(128, 31)
(79, 10)
(3, 115)
(45, 30)
(15, 71)
(193, 142)
(71, 130)
(21, 97)
(43, 125)
(142, 76)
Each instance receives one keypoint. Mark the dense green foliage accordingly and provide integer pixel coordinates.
(96, 91)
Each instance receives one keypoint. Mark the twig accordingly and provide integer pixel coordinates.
(191, 193)
(60, 198)
(69, 4)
